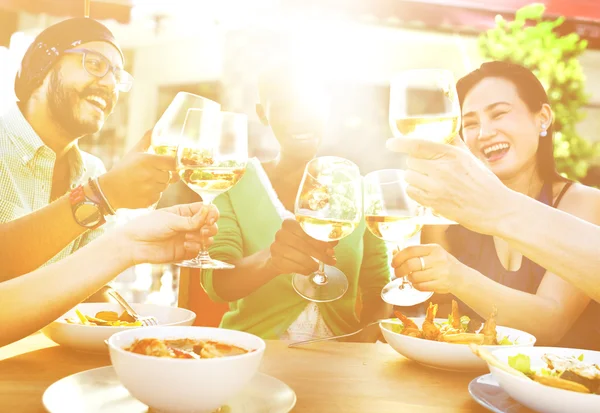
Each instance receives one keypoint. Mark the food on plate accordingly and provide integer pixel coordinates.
(104, 318)
(564, 372)
(185, 348)
(457, 330)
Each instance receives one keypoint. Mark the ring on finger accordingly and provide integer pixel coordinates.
(422, 263)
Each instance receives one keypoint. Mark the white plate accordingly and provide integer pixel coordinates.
(91, 338)
(539, 397)
(448, 356)
(99, 391)
(486, 391)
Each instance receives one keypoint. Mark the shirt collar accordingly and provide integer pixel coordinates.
(28, 142)
(78, 169)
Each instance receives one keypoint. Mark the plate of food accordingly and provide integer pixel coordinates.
(185, 369)
(87, 326)
(547, 379)
(444, 343)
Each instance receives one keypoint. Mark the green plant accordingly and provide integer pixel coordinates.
(553, 59)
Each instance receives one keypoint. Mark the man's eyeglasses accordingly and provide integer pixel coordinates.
(98, 65)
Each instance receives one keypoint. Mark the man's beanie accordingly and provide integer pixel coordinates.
(50, 45)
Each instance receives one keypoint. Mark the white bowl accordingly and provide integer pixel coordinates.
(447, 356)
(539, 397)
(184, 385)
(92, 338)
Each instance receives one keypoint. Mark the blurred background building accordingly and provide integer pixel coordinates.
(218, 48)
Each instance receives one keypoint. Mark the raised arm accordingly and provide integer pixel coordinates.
(456, 185)
(548, 314)
(30, 241)
(560, 242)
(34, 300)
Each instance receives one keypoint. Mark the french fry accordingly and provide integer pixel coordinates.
(463, 338)
(81, 317)
(493, 361)
(560, 383)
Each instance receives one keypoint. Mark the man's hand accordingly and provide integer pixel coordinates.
(455, 184)
(140, 178)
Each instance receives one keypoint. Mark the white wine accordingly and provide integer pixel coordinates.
(170, 150)
(393, 228)
(211, 181)
(196, 158)
(325, 229)
(433, 128)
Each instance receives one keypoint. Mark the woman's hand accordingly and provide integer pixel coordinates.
(170, 234)
(430, 268)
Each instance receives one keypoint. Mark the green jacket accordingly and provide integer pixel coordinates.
(250, 216)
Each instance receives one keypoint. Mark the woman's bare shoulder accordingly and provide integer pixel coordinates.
(582, 201)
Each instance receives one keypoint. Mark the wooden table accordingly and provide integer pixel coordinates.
(327, 377)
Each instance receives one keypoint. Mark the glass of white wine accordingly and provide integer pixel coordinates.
(424, 105)
(393, 216)
(212, 157)
(167, 132)
(328, 207)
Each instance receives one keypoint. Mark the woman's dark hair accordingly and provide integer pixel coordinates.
(534, 95)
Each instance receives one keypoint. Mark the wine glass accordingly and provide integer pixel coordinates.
(393, 216)
(211, 158)
(424, 105)
(167, 132)
(328, 207)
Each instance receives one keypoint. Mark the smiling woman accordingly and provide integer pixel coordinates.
(507, 125)
(518, 115)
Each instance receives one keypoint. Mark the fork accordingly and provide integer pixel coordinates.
(146, 321)
(315, 340)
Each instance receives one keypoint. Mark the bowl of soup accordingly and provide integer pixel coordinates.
(185, 369)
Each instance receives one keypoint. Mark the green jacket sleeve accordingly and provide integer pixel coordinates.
(228, 243)
(375, 271)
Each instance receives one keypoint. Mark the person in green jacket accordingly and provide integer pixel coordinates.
(258, 233)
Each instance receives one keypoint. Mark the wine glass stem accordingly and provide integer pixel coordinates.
(319, 277)
(203, 253)
(405, 281)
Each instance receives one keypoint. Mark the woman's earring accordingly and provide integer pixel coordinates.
(544, 132)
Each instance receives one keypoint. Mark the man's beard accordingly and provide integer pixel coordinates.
(61, 102)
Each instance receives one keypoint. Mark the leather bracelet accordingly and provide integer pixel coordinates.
(95, 185)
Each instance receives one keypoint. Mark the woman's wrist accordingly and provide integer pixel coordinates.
(464, 281)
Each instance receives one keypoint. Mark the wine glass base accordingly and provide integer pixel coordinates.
(403, 297)
(335, 288)
(208, 264)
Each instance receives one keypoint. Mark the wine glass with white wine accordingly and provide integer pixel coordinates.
(394, 217)
(166, 133)
(424, 105)
(212, 158)
(328, 207)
